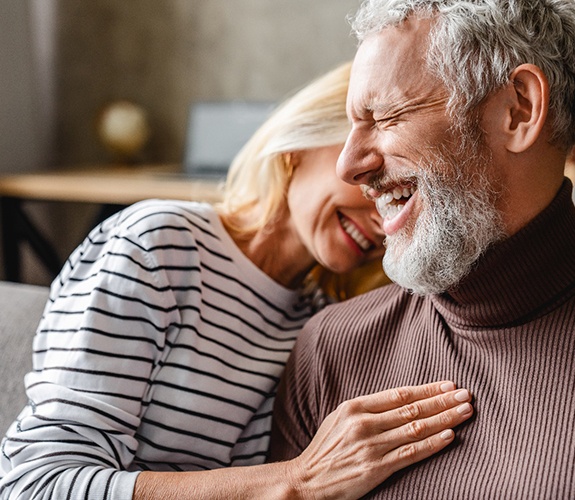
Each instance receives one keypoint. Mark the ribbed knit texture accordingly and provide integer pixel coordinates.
(507, 333)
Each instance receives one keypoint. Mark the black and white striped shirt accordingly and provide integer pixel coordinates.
(160, 348)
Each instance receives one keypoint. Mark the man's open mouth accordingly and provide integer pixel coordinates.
(390, 203)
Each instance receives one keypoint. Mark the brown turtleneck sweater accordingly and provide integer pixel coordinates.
(507, 333)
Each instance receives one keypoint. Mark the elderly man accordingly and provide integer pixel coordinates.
(462, 116)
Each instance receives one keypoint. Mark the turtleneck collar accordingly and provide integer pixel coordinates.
(522, 277)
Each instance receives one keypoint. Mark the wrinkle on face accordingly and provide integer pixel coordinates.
(387, 111)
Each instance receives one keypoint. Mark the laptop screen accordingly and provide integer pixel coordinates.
(217, 130)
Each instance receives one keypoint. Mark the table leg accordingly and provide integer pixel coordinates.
(10, 240)
(16, 228)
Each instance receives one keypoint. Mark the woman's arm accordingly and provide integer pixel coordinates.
(101, 339)
(358, 446)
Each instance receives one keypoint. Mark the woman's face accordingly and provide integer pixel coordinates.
(337, 225)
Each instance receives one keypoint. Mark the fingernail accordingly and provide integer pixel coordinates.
(464, 408)
(447, 386)
(447, 434)
(462, 395)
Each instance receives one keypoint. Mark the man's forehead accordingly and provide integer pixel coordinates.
(390, 68)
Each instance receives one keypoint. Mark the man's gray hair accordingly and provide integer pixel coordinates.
(475, 45)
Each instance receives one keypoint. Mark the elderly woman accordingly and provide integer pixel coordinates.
(160, 349)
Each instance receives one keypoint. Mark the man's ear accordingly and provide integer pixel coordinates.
(528, 107)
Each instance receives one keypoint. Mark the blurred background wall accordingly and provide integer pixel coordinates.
(61, 61)
(164, 54)
(23, 141)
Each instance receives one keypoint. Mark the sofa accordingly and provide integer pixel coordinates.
(21, 308)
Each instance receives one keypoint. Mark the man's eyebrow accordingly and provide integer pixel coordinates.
(367, 109)
(377, 106)
(389, 109)
(384, 111)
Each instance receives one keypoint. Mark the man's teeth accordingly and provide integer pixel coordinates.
(355, 234)
(385, 206)
(390, 211)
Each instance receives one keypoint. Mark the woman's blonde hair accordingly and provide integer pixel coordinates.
(257, 181)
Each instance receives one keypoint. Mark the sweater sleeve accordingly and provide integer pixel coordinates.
(99, 344)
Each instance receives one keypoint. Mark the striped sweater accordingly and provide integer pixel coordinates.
(160, 348)
(507, 333)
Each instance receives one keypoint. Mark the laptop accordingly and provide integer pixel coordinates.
(217, 130)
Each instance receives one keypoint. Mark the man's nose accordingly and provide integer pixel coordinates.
(358, 163)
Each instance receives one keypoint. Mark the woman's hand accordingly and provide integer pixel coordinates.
(357, 447)
(366, 439)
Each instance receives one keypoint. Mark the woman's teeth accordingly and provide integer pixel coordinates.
(355, 234)
(391, 203)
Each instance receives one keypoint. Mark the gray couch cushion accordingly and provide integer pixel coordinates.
(21, 308)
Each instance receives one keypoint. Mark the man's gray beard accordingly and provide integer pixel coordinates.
(458, 223)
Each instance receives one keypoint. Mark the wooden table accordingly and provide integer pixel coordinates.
(112, 186)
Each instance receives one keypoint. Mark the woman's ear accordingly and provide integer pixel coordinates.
(296, 158)
(291, 161)
(527, 107)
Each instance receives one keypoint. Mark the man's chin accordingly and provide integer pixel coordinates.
(418, 269)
